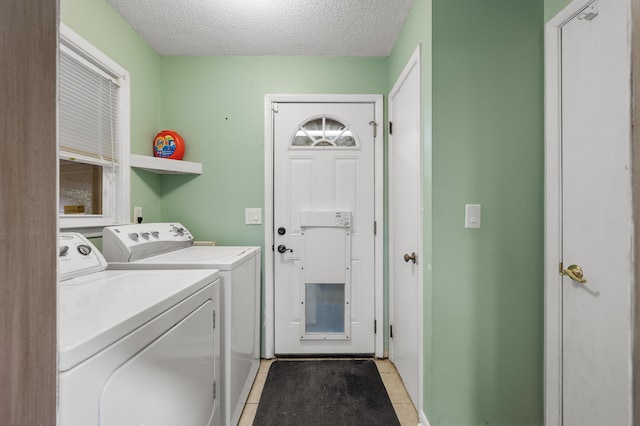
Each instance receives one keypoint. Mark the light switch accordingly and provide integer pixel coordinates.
(253, 216)
(472, 216)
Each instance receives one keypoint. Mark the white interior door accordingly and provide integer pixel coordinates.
(405, 213)
(323, 216)
(596, 217)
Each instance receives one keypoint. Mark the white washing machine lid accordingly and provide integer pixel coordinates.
(224, 258)
(98, 309)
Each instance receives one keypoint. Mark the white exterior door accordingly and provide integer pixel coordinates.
(596, 225)
(405, 211)
(323, 219)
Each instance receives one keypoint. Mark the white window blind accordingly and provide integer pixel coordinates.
(88, 109)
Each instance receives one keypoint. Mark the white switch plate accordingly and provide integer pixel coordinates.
(253, 216)
(472, 216)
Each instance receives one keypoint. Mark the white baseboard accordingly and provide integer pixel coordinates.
(423, 419)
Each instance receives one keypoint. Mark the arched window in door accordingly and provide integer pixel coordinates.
(324, 132)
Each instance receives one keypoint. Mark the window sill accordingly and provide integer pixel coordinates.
(165, 165)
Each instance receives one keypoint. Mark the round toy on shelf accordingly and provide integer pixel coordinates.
(168, 144)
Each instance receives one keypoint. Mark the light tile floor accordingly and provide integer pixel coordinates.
(398, 395)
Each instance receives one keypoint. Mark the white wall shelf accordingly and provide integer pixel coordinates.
(165, 165)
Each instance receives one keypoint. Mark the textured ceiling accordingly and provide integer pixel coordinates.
(267, 27)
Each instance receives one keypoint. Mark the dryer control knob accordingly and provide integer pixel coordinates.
(84, 249)
(133, 236)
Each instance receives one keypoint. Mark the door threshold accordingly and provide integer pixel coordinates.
(321, 356)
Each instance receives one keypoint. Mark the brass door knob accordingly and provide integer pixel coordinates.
(408, 258)
(574, 272)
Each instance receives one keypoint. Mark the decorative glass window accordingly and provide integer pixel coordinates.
(321, 132)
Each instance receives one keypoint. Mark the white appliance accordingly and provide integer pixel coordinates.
(135, 347)
(171, 245)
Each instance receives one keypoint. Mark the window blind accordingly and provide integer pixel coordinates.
(88, 110)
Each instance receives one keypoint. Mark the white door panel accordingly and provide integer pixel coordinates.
(596, 224)
(404, 232)
(334, 263)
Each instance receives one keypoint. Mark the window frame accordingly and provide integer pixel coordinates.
(116, 192)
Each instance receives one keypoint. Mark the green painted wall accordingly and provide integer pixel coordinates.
(487, 298)
(99, 24)
(217, 105)
(483, 143)
(417, 32)
(552, 7)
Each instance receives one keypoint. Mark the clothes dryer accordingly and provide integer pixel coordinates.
(135, 347)
(171, 246)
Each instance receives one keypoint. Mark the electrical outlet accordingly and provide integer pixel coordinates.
(137, 212)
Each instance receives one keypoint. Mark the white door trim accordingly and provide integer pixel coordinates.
(553, 215)
(377, 100)
(413, 62)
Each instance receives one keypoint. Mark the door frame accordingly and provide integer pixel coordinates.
(413, 62)
(269, 281)
(553, 212)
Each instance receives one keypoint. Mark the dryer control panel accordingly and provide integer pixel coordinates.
(128, 243)
(77, 256)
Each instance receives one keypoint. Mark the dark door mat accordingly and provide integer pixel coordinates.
(326, 392)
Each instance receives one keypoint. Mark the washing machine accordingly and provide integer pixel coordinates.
(135, 347)
(170, 245)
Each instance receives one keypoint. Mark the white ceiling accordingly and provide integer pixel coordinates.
(267, 27)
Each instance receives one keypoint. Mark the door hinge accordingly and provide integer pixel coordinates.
(214, 390)
(274, 107)
(214, 320)
(375, 128)
(375, 326)
(390, 128)
(390, 331)
(589, 13)
(375, 228)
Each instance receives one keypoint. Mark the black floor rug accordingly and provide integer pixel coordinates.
(327, 392)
